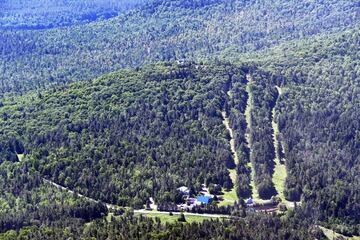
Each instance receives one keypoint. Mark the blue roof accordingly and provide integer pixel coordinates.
(204, 199)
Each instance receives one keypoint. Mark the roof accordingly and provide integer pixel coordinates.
(183, 189)
(204, 199)
(249, 201)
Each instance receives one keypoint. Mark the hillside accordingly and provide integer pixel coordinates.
(121, 139)
(26, 200)
(87, 124)
(317, 118)
(116, 116)
(127, 136)
(45, 14)
(162, 30)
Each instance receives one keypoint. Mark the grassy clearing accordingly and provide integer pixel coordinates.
(255, 194)
(109, 216)
(333, 235)
(233, 175)
(166, 218)
(280, 174)
(278, 179)
(230, 196)
(21, 157)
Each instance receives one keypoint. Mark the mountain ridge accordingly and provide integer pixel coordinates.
(167, 34)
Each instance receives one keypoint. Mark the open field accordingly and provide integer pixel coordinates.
(166, 218)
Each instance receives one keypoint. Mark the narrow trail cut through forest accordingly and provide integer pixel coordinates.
(232, 140)
(248, 110)
(280, 174)
(231, 196)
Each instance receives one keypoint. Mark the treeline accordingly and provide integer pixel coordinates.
(25, 200)
(127, 136)
(129, 227)
(44, 14)
(161, 31)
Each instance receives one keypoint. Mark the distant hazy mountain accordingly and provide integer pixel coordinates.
(40, 14)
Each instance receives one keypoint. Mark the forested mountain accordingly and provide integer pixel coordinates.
(318, 120)
(162, 30)
(128, 136)
(43, 14)
(284, 74)
(68, 128)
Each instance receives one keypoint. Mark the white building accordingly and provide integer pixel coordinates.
(184, 190)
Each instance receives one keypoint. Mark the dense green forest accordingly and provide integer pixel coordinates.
(44, 14)
(95, 138)
(127, 136)
(156, 123)
(236, 107)
(318, 121)
(162, 30)
(26, 200)
(129, 227)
